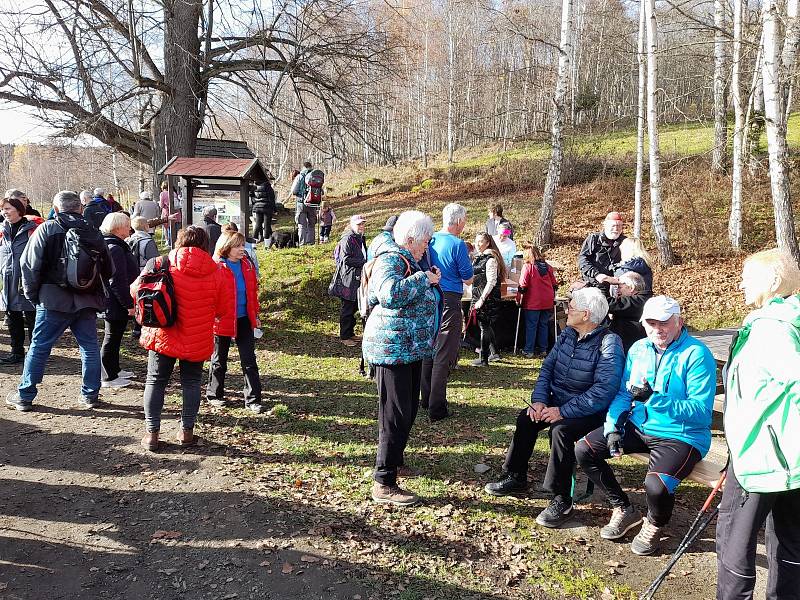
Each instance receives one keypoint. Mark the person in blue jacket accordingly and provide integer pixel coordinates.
(663, 407)
(578, 380)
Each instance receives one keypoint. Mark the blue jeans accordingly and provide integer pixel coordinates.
(536, 330)
(50, 325)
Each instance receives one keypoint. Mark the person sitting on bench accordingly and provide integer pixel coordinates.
(578, 380)
(663, 407)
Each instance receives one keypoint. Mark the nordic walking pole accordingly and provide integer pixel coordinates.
(692, 534)
(516, 333)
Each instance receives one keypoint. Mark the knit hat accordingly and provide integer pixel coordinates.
(16, 203)
(389, 227)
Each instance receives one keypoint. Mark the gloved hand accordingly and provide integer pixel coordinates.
(614, 443)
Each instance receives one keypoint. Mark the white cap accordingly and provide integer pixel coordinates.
(660, 308)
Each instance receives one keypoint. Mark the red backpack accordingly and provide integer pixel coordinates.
(314, 181)
(155, 304)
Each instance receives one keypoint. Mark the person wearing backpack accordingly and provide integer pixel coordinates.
(762, 421)
(201, 297)
(64, 267)
(97, 209)
(15, 231)
(350, 255)
(305, 216)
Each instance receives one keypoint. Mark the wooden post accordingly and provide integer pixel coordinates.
(244, 207)
(188, 201)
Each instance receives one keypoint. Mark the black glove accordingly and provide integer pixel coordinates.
(641, 393)
(614, 443)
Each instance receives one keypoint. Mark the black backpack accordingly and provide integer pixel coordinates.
(82, 257)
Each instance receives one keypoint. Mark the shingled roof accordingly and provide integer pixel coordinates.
(215, 168)
(208, 148)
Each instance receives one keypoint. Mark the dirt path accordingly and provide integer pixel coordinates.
(86, 513)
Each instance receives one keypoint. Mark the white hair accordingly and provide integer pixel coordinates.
(453, 214)
(591, 299)
(145, 195)
(86, 195)
(99, 192)
(114, 221)
(412, 225)
(139, 224)
(633, 279)
(210, 211)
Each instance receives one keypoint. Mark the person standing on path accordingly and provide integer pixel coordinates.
(59, 306)
(450, 259)
(762, 420)
(304, 215)
(350, 254)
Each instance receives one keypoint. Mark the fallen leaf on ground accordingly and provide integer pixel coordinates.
(481, 468)
(308, 558)
(287, 568)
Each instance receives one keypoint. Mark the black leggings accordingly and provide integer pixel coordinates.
(18, 321)
(486, 322)
(670, 462)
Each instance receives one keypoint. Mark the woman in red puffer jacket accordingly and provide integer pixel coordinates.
(203, 299)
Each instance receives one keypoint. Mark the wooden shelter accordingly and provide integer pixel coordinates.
(216, 174)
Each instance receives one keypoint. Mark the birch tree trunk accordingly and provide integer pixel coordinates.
(640, 123)
(735, 220)
(774, 116)
(451, 83)
(720, 96)
(659, 223)
(545, 230)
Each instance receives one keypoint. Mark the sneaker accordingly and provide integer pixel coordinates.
(117, 383)
(478, 362)
(509, 484)
(219, 403)
(528, 355)
(14, 401)
(623, 519)
(392, 494)
(647, 540)
(494, 357)
(555, 515)
(126, 375)
(255, 407)
(89, 402)
(12, 359)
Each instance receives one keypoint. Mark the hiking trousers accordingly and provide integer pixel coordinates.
(246, 344)
(18, 321)
(670, 462)
(109, 350)
(306, 218)
(436, 370)
(741, 516)
(398, 402)
(159, 371)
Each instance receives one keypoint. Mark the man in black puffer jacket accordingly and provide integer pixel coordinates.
(263, 209)
(576, 384)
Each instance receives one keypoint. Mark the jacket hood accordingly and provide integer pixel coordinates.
(112, 239)
(27, 224)
(98, 199)
(68, 219)
(636, 264)
(194, 262)
(778, 309)
(391, 246)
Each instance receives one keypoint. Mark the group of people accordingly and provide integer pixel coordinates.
(216, 294)
(624, 375)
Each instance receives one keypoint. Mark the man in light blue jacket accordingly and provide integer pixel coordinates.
(663, 407)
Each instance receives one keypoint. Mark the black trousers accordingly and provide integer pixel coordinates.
(741, 516)
(263, 228)
(670, 462)
(159, 370)
(398, 402)
(247, 356)
(436, 370)
(109, 351)
(18, 321)
(347, 319)
(486, 324)
(563, 435)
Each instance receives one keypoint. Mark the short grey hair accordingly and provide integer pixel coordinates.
(139, 224)
(414, 225)
(86, 196)
(453, 214)
(18, 194)
(145, 195)
(113, 221)
(99, 192)
(633, 279)
(210, 211)
(591, 299)
(67, 201)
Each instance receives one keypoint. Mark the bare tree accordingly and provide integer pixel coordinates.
(545, 230)
(719, 152)
(640, 122)
(735, 220)
(657, 212)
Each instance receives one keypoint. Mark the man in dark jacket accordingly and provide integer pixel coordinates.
(263, 209)
(211, 227)
(59, 306)
(625, 310)
(97, 209)
(601, 250)
(578, 380)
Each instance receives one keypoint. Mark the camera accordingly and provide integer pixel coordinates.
(641, 393)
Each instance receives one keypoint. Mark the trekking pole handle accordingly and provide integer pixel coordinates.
(713, 493)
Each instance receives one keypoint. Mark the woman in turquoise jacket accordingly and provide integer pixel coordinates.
(762, 428)
(400, 332)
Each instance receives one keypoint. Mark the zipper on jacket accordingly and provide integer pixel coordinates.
(779, 453)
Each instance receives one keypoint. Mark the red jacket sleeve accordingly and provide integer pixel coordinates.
(225, 303)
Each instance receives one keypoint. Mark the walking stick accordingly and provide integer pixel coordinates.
(699, 524)
(516, 333)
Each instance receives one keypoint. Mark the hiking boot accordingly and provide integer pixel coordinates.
(89, 402)
(623, 519)
(14, 401)
(555, 515)
(255, 407)
(494, 357)
(392, 494)
(350, 343)
(119, 382)
(478, 362)
(647, 540)
(13, 359)
(511, 483)
(528, 355)
(441, 416)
